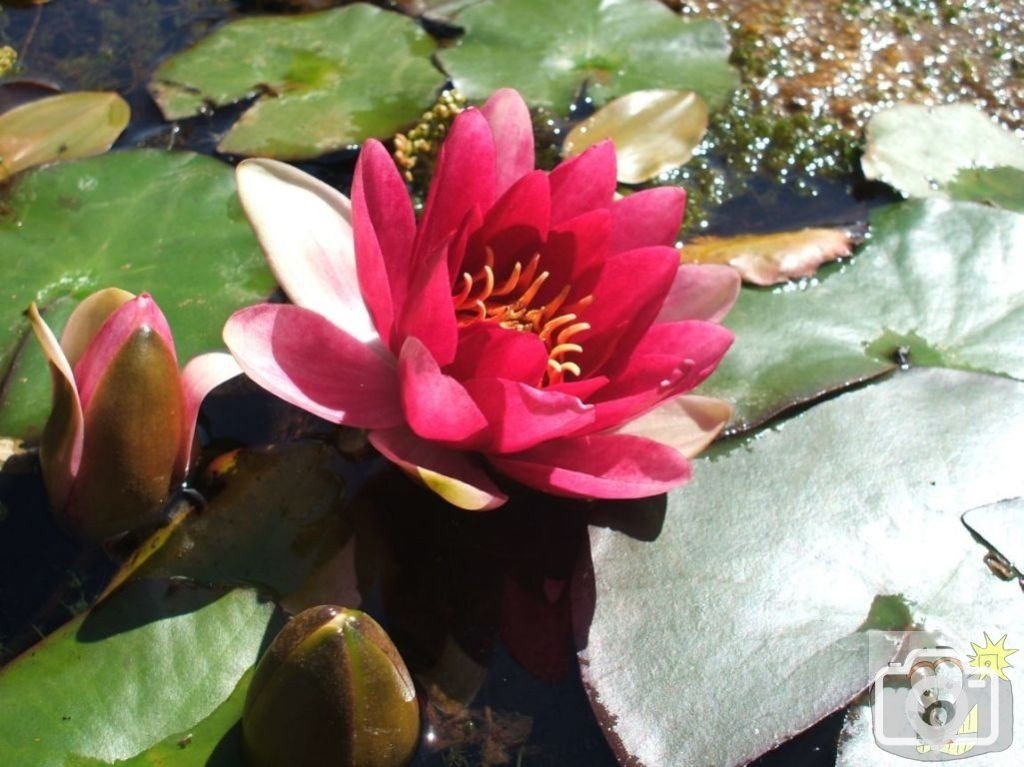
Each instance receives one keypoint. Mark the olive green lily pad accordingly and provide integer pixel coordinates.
(919, 150)
(62, 127)
(149, 662)
(549, 51)
(166, 223)
(1002, 187)
(938, 284)
(751, 603)
(324, 81)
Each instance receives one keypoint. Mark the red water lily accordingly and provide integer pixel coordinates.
(528, 321)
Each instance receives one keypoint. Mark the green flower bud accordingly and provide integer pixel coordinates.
(332, 691)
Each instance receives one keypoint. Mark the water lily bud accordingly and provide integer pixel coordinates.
(331, 690)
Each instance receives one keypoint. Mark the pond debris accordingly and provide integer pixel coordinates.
(8, 60)
(416, 151)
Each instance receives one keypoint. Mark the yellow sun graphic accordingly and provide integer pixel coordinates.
(992, 655)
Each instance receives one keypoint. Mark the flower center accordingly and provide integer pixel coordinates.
(511, 305)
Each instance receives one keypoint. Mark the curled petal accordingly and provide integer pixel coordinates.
(88, 317)
(311, 363)
(305, 228)
(648, 217)
(688, 423)
(509, 118)
(598, 466)
(201, 375)
(450, 473)
(701, 293)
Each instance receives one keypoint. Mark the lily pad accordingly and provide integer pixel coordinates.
(323, 81)
(549, 51)
(752, 600)
(1002, 187)
(919, 150)
(938, 284)
(166, 223)
(150, 661)
(63, 127)
(653, 131)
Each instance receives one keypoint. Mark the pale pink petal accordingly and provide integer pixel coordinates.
(487, 350)
(88, 317)
(598, 466)
(61, 450)
(701, 293)
(310, 362)
(509, 118)
(451, 474)
(522, 416)
(384, 231)
(139, 312)
(583, 182)
(649, 217)
(201, 375)
(436, 406)
(305, 228)
(688, 423)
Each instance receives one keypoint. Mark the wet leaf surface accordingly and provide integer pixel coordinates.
(653, 131)
(152, 660)
(166, 223)
(317, 79)
(768, 259)
(935, 285)
(750, 604)
(1002, 187)
(550, 51)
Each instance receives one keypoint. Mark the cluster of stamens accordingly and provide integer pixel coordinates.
(481, 299)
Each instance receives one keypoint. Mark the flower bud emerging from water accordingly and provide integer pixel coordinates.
(331, 690)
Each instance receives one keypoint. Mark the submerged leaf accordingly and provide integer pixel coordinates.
(1002, 187)
(62, 127)
(767, 259)
(654, 131)
(325, 81)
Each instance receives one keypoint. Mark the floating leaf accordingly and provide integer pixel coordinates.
(549, 51)
(654, 131)
(1002, 187)
(938, 283)
(768, 259)
(166, 223)
(741, 623)
(918, 149)
(325, 81)
(63, 127)
(150, 661)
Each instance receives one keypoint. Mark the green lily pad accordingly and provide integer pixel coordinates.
(325, 81)
(1002, 187)
(548, 51)
(166, 223)
(919, 150)
(751, 603)
(152, 660)
(938, 284)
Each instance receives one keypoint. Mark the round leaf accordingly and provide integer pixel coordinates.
(326, 81)
(750, 601)
(548, 51)
(166, 223)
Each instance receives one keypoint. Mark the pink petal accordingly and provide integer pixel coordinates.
(88, 317)
(429, 314)
(436, 406)
(688, 423)
(522, 416)
(305, 228)
(574, 254)
(201, 375)
(583, 182)
(384, 229)
(61, 450)
(649, 217)
(139, 312)
(584, 388)
(308, 361)
(514, 228)
(509, 118)
(701, 293)
(464, 178)
(449, 473)
(487, 350)
(598, 466)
